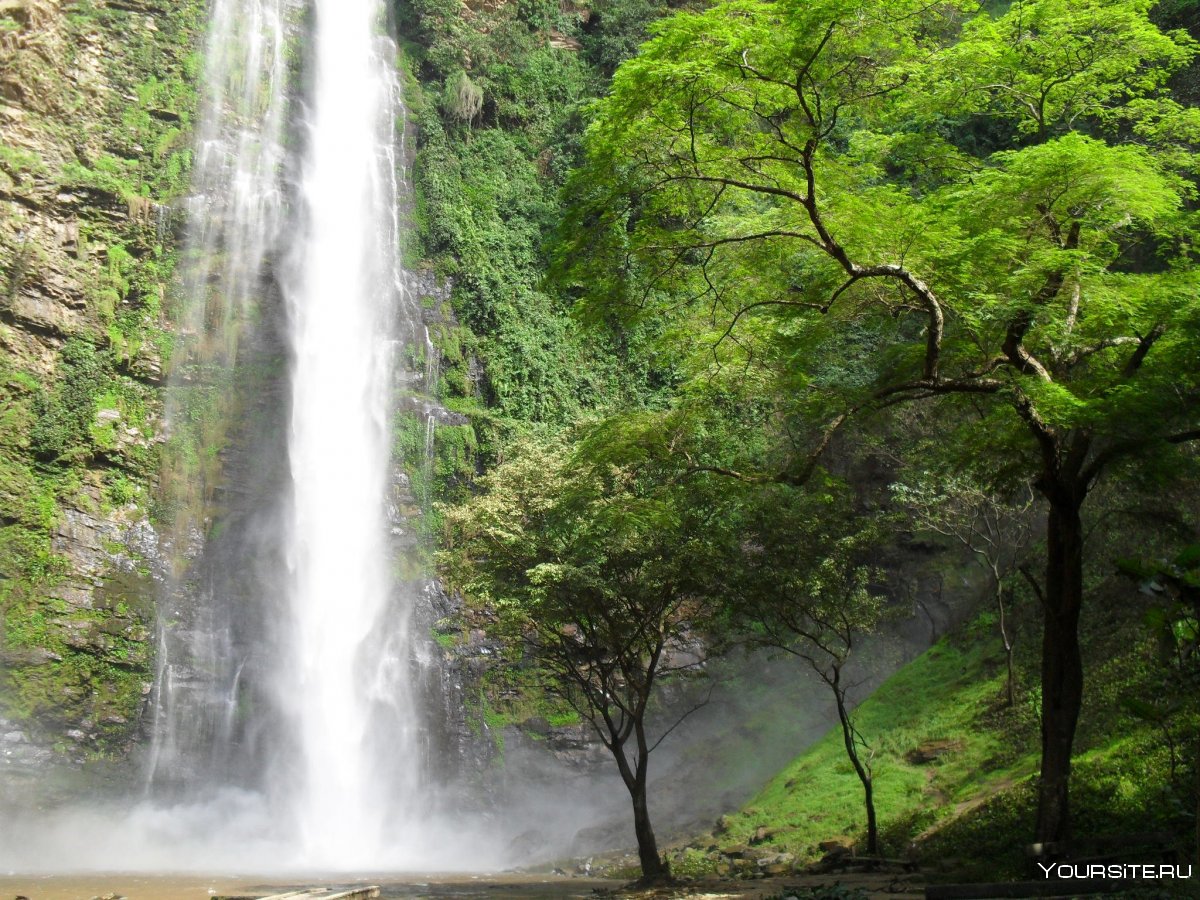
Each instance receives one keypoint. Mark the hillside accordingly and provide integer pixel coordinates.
(954, 769)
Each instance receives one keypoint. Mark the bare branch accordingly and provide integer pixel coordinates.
(698, 706)
(1031, 579)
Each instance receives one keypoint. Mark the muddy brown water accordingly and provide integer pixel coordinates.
(195, 887)
(506, 886)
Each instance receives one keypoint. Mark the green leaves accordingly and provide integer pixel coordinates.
(64, 415)
(845, 197)
(1051, 65)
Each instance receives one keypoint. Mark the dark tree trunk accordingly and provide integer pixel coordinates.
(655, 870)
(863, 774)
(1062, 664)
(872, 824)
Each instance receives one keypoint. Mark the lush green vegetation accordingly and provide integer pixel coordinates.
(828, 240)
(734, 319)
(497, 97)
(80, 397)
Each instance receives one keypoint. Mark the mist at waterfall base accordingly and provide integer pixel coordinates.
(539, 811)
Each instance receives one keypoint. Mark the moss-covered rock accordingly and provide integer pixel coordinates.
(96, 102)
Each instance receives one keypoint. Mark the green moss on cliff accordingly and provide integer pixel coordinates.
(100, 152)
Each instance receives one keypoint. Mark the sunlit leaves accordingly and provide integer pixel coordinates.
(1053, 64)
(757, 155)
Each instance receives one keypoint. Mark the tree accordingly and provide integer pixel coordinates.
(799, 585)
(904, 202)
(997, 532)
(602, 562)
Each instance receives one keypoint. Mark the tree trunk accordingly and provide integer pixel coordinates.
(655, 869)
(1010, 684)
(872, 824)
(863, 775)
(1062, 664)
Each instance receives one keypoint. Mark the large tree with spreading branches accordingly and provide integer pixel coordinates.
(889, 202)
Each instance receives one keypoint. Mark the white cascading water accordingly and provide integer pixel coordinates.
(235, 214)
(347, 285)
(236, 205)
(332, 758)
(286, 715)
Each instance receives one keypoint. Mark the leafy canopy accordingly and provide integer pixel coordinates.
(887, 201)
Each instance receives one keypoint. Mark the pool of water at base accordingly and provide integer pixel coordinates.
(507, 886)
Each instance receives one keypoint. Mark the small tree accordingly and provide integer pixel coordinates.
(601, 562)
(801, 588)
(997, 532)
(462, 99)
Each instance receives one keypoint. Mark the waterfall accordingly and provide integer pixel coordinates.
(234, 218)
(295, 660)
(344, 285)
(288, 673)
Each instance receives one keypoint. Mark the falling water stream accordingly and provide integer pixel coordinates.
(287, 666)
(344, 285)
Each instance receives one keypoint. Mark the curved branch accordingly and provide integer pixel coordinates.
(732, 182)
(1107, 344)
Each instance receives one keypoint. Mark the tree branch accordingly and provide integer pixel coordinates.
(1143, 349)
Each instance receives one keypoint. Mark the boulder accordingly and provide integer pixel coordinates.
(777, 864)
(762, 834)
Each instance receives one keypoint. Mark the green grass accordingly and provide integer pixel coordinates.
(970, 813)
(952, 692)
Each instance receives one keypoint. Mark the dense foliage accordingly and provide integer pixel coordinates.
(497, 99)
(959, 239)
(805, 175)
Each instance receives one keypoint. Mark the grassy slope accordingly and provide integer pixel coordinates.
(971, 811)
(949, 693)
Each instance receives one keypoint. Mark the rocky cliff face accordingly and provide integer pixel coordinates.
(96, 100)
